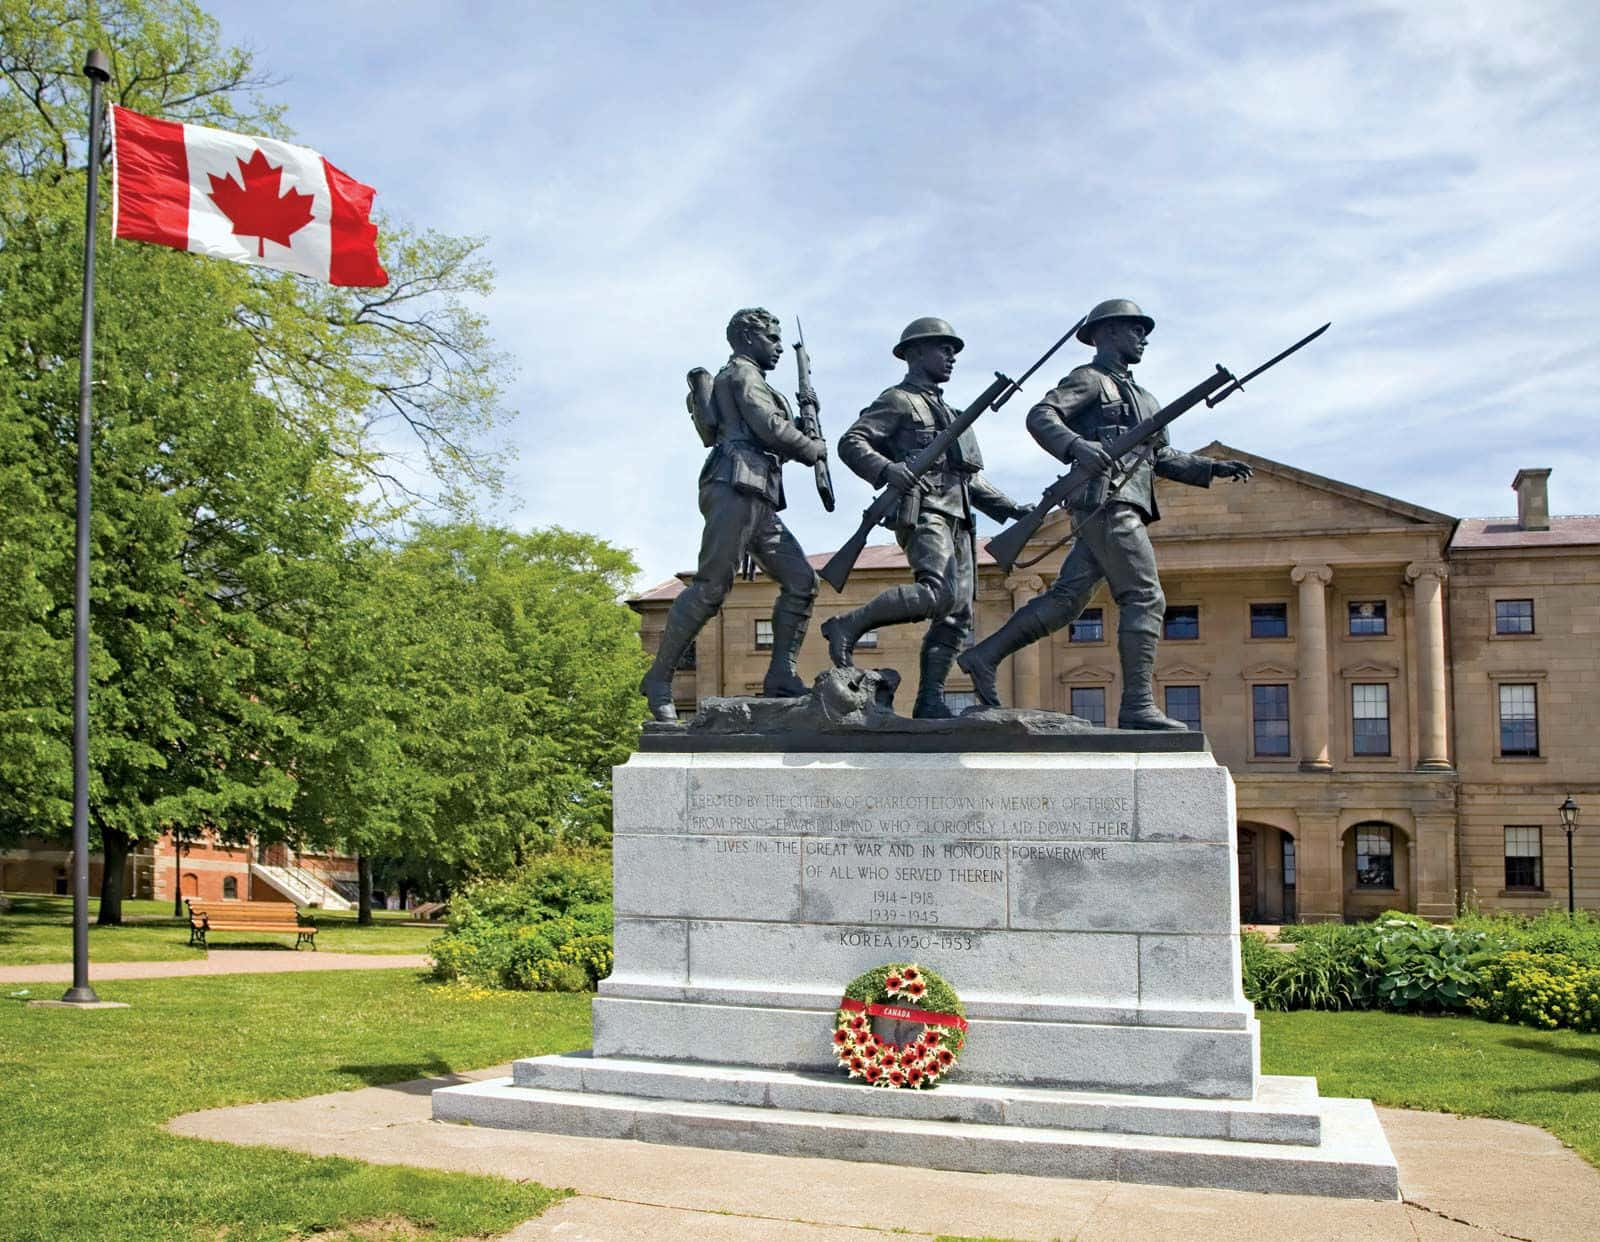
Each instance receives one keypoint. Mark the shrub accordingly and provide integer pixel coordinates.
(547, 928)
(1414, 965)
(1547, 990)
(1578, 936)
(1323, 972)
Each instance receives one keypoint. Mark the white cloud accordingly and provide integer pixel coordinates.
(1425, 173)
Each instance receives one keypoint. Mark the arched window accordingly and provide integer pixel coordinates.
(1374, 856)
(230, 888)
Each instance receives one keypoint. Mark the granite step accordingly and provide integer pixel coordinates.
(1353, 1160)
(1285, 1110)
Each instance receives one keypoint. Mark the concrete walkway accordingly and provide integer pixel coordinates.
(225, 962)
(1464, 1180)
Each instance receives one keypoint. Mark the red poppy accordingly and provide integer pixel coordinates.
(897, 1078)
(946, 1058)
(841, 1039)
(909, 973)
(915, 987)
(914, 1076)
(892, 983)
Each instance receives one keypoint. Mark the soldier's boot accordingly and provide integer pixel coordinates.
(789, 621)
(900, 603)
(684, 620)
(1139, 710)
(1027, 625)
(936, 661)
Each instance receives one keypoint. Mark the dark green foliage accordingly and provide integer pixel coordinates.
(1577, 936)
(546, 929)
(1420, 967)
(1325, 971)
(1541, 972)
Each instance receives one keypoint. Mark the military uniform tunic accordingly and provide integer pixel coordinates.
(1098, 403)
(935, 522)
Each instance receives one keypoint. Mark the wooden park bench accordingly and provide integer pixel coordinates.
(249, 916)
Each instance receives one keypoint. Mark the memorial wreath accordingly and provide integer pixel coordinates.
(907, 993)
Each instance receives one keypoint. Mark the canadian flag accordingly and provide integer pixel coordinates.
(251, 200)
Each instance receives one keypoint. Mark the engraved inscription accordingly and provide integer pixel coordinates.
(999, 816)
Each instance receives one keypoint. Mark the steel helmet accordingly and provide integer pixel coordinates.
(927, 329)
(1115, 308)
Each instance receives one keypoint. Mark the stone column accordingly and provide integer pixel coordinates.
(1427, 589)
(1026, 690)
(1311, 642)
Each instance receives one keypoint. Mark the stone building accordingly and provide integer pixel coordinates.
(1404, 698)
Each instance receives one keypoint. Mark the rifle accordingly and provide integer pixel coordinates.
(1007, 546)
(837, 571)
(810, 420)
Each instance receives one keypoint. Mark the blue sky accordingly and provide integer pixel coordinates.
(1425, 173)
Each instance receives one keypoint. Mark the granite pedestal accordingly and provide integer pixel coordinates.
(1079, 892)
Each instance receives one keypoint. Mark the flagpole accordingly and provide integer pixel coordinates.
(97, 68)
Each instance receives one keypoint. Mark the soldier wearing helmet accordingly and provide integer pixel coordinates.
(934, 523)
(1092, 406)
(741, 492)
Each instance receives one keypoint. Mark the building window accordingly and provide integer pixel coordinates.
(1269, 620)
(685, 662)
(1369, 616)
(1270, 715)
(1524, 857)
(1374, 856)
(1089, 702)
(1288, 861)
(763, 635)
(1181, 621)
(958, 700)
(869, 639)
(1369, 706)
(1090, 627)
(1513, 616)
(1519, 719)
(1183, 703)
(230, 888)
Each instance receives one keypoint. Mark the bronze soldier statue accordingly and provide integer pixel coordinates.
(1094, 404)
(934, 523)
(753, 432)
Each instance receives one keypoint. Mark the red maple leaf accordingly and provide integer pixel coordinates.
(255, 208)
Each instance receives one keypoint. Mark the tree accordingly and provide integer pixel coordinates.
(469, 700)
(238, 416)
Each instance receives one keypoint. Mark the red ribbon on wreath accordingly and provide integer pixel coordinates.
(903, 1013)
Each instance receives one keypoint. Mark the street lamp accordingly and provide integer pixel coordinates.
(1569, 821)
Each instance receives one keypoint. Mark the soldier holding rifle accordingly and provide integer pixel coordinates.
(751, 432)
(934, 519)
(1090, 407)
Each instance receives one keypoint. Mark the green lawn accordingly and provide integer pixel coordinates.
(86, 1094)
(1549, 1079)
(39, 929)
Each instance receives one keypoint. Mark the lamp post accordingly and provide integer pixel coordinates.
(1569, 821)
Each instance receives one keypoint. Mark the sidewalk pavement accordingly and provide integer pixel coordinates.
(220, 962)
(1463, 1180)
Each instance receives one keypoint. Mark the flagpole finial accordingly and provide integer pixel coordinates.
(97, 65)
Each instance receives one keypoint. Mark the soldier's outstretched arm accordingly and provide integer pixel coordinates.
(992, 501)
(769, 421)
(1188, 468)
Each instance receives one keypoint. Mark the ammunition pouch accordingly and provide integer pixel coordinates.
(907, 514)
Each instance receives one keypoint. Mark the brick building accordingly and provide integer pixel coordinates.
(205, 870)
(1404, 698)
